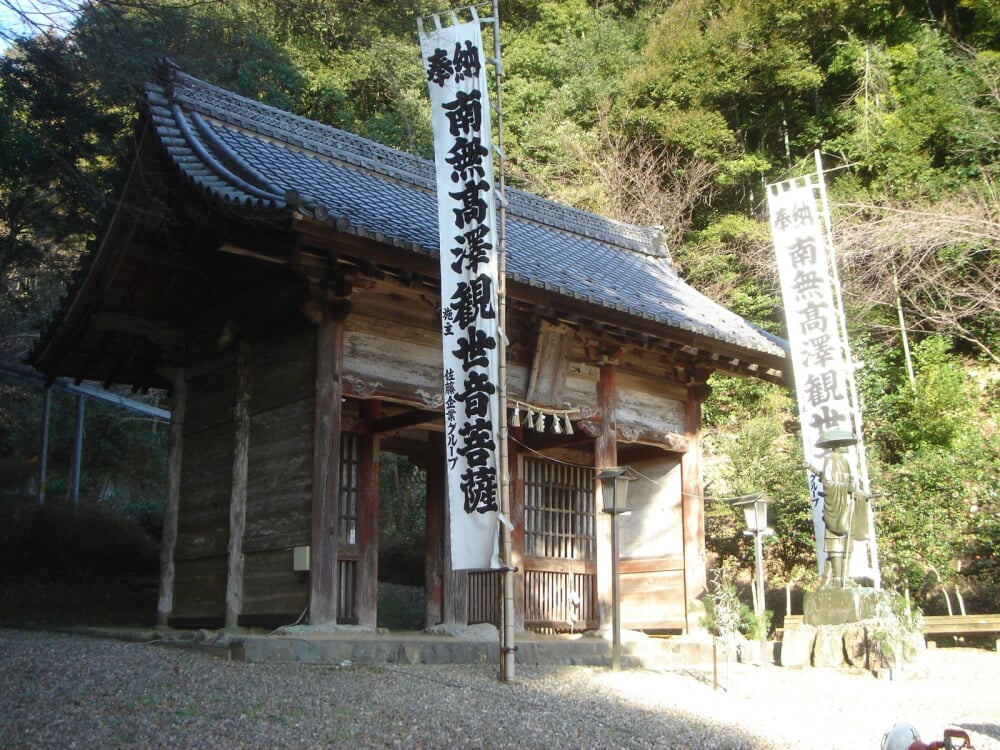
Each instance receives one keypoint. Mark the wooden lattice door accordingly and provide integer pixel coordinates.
(560, 583)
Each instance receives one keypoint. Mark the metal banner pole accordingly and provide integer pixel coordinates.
(507, 647)
(851, 380)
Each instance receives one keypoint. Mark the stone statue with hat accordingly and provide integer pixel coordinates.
(845, 506)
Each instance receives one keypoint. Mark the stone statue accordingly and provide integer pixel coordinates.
(845, 506)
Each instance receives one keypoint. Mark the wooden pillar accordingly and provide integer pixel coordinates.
(517, 535)
(455, 590)
(368, 513)
(238, 489)
(175, 450)
(43, 453)
(326, 467)
(433, 527)
(692, 497)
(74, 487)
(605, 455)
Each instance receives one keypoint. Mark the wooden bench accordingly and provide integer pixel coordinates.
(792, 622)
(955, 625)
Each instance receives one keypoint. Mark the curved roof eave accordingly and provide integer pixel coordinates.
(246, 154)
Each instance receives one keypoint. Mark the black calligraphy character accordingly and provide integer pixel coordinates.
(450, 408)
(802, 215)
(447, 321)
(439, 67)
(822, 388)
(474, 350)
(803, 252)
(782, 219)
(479, 486)
(466, 61)
(473, 300)
(465, 113)
(827, 419)
(466, 158)
(452, 446)
(478, 390)
(473, 208)
(449, 382)
(815, 487)
(476, 250)
(807, 283)
(812, 318)
(479, 445)
(819, 353)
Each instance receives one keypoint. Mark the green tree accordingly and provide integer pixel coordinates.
(935, 475)
(905, 123)
(674, 114)
(753, 446)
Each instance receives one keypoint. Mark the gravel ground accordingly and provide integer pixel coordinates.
(70, 691)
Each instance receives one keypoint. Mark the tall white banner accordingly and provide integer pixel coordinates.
(463, 155)
(819, 352)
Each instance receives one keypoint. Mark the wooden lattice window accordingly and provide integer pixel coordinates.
(558, 510)
(350, 481)
(347, 551)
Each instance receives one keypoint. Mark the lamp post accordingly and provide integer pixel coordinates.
(614, 492)
(755, 513)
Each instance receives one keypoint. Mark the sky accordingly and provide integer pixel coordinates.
(41, 10)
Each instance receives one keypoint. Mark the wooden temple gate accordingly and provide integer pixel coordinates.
(281, 278)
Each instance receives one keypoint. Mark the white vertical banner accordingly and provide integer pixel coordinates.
(463, 155)
(813, 315)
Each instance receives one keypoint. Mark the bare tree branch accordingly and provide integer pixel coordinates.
(630, 178)
(28, 18)
(946, 258)
(33, 17)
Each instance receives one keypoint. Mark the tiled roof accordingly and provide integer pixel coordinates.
(246, 153)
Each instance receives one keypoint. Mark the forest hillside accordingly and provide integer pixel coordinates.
(671, 113)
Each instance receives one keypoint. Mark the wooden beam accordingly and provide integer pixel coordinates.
(368, 513)
(604, 321)
(267, 243)
(326, 468)
(163, 258)
(134, 324)
(175, 450)
(238, 491)
(405, 420)
(351, 245)
(248, 253)
(636, 453)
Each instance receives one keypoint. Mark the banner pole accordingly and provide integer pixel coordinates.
(472, 225)
(507, 647)
(852, 385)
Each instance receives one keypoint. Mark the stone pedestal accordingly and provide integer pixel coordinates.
(841, 606)
(840, 629)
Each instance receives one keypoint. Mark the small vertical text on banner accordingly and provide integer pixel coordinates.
(463, 156)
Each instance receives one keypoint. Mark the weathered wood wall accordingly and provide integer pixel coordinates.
(279, 482)
(206, 481)
(392, 354)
